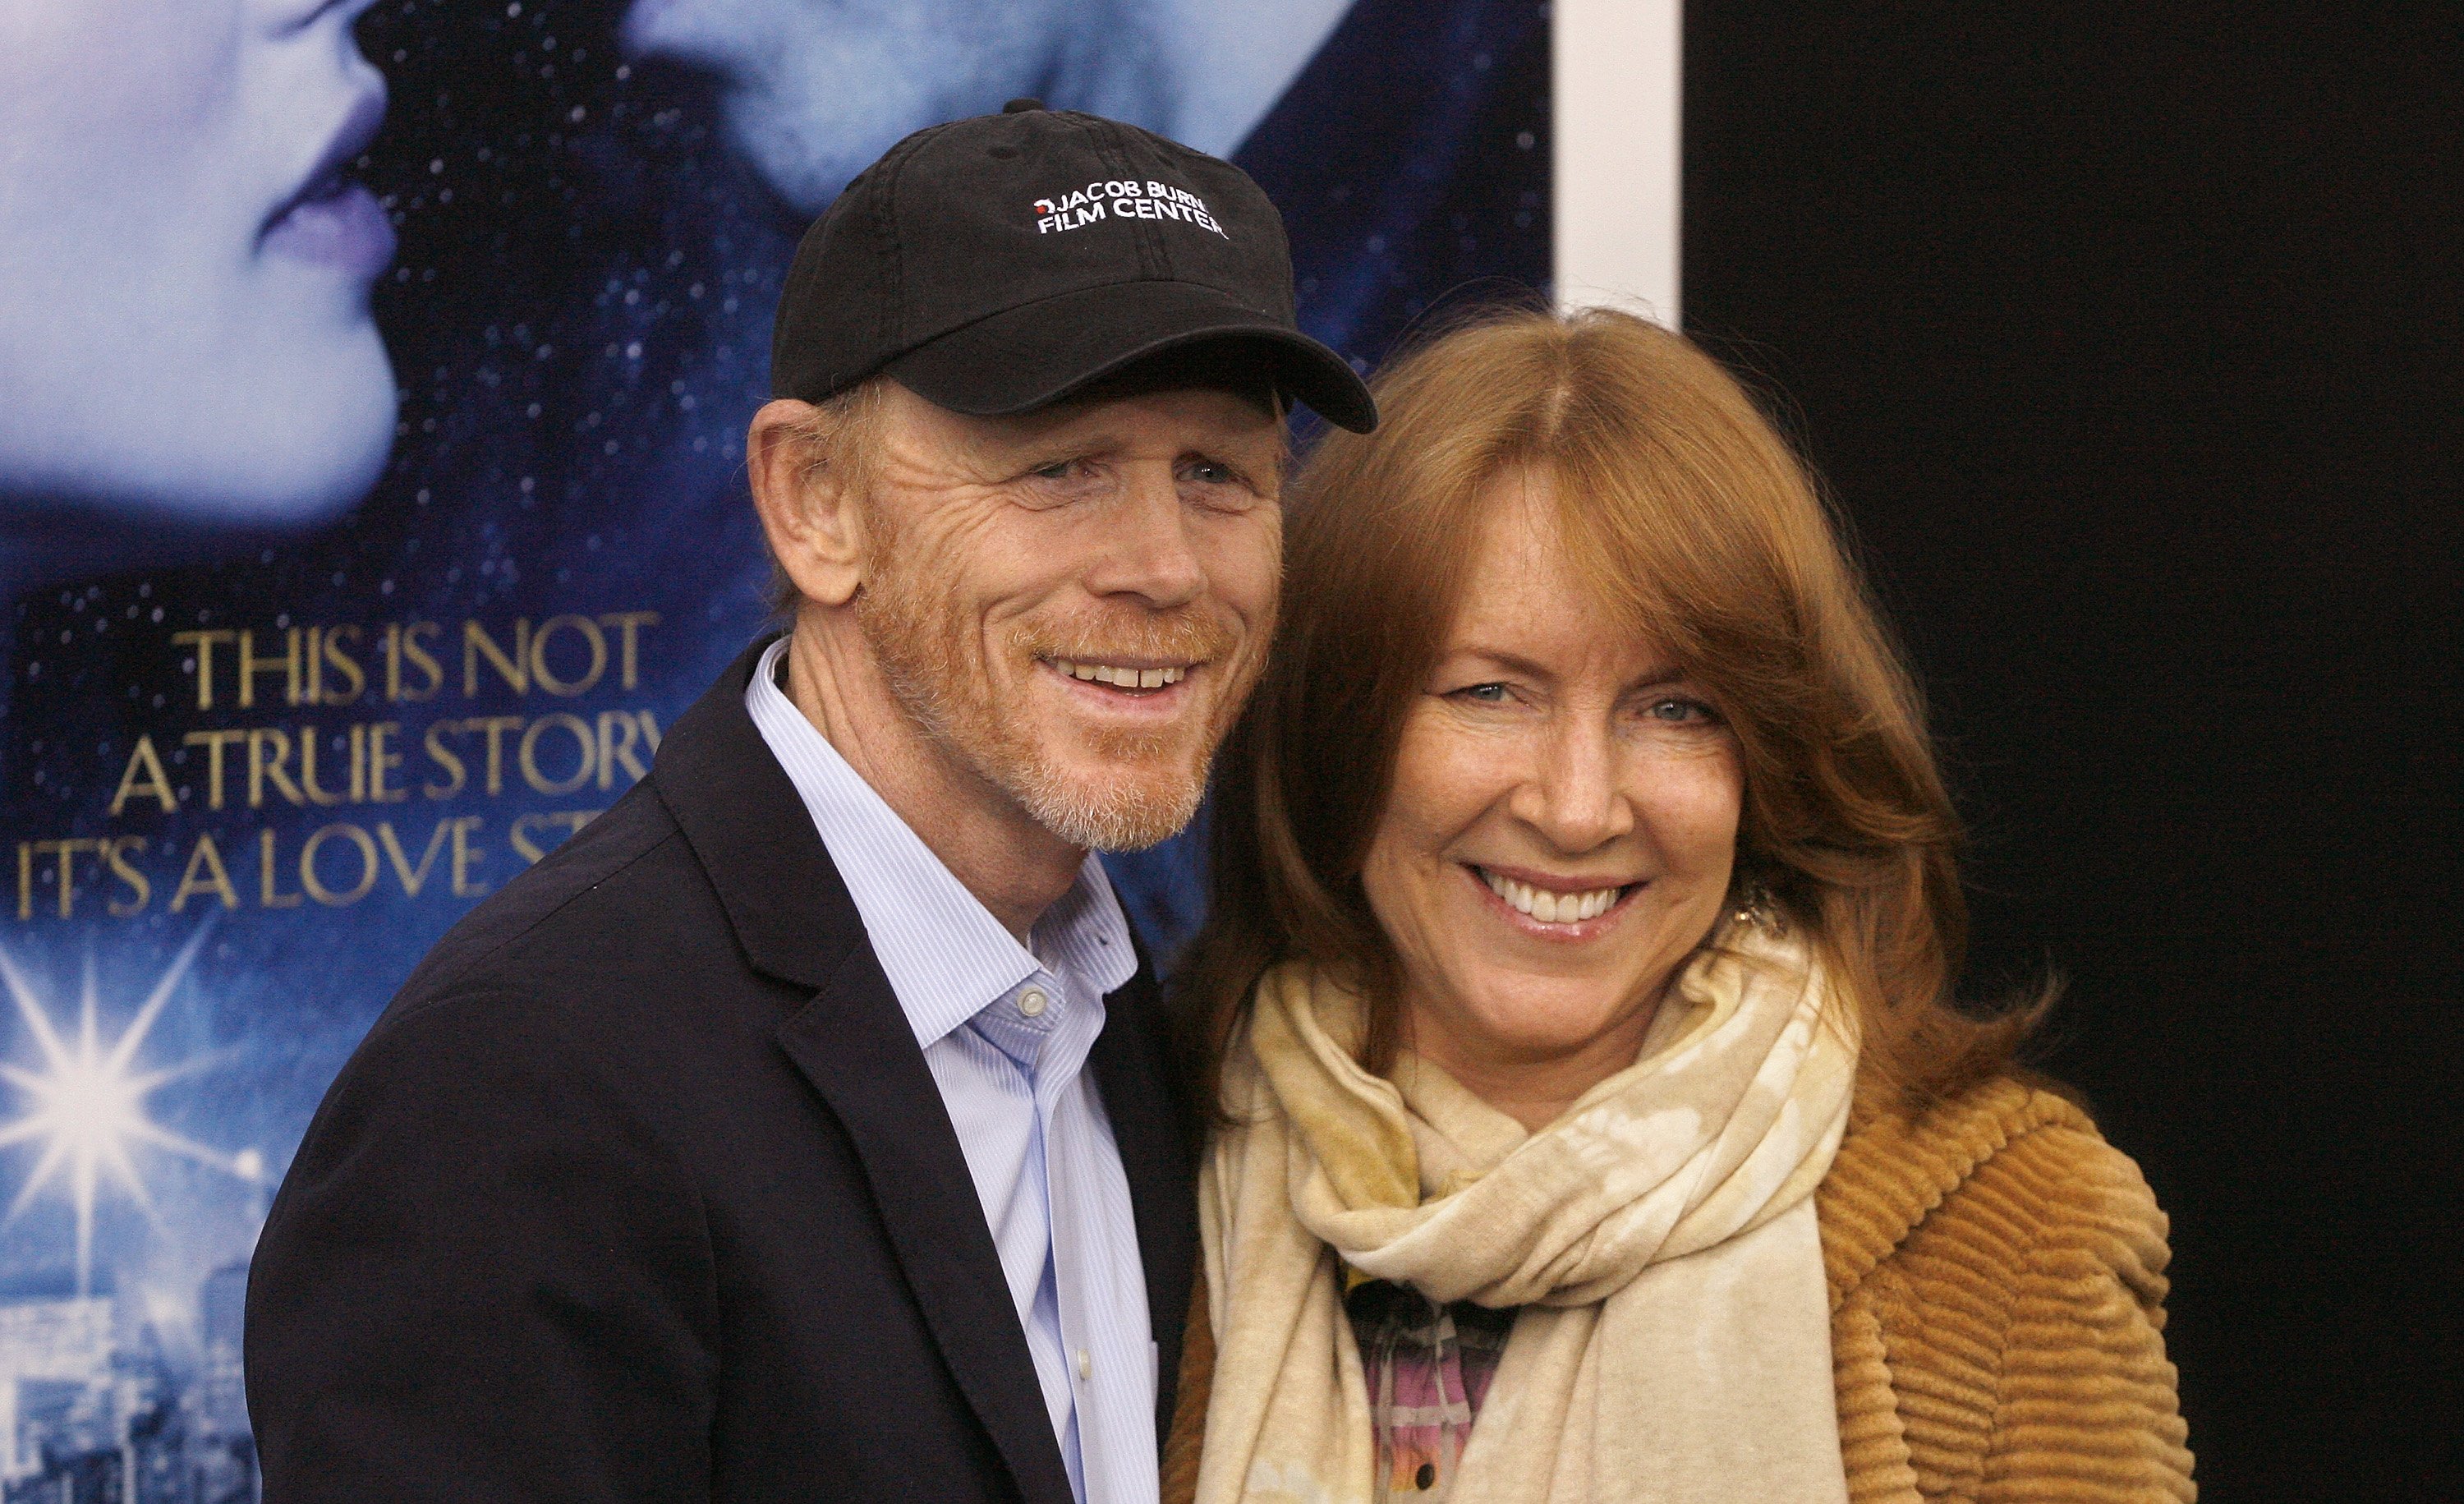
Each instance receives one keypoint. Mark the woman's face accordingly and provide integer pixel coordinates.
(1563, 818)
(183, 267)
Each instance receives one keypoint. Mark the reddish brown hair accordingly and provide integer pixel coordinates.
(1693, 521)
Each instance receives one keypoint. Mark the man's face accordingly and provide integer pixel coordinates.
(1074, 604)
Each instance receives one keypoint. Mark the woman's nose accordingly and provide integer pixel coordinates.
(1571, 793)
(287, 15)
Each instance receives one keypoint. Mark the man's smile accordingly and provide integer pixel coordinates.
(1132, 677)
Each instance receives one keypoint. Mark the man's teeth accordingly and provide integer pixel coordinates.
(1121, 678)
(1551, 907)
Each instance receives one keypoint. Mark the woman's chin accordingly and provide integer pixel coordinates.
(193, 492)
(1523, 1021)
(285, 498)
(283, 460)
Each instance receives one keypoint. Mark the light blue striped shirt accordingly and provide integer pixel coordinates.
(1005, 1029)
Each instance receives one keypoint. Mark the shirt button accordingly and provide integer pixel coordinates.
(1086, 1364)
(1031, 1001)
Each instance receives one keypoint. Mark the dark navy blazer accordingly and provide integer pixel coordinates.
(640, 1189)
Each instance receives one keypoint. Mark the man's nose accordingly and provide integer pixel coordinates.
(1147, 549)
(1570, 792)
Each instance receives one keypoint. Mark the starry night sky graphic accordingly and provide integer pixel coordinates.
(578, 321)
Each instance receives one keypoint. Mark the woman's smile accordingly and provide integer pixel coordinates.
(1552, 908)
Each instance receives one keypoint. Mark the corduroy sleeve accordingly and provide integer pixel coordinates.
(1188, 1435)
(2087, 1408)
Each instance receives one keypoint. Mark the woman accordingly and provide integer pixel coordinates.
(1596, 1120)
(184, 336)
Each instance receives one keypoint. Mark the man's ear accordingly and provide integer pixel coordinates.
(810, 512)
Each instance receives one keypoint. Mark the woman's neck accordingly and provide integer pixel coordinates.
(1532, 1087)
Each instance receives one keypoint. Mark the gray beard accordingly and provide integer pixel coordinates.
(1121, 816)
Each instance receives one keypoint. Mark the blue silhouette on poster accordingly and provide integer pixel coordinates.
(329, 605)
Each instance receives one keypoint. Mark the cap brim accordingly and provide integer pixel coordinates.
(1038, 353)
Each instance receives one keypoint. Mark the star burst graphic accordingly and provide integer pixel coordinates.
(84, 1102)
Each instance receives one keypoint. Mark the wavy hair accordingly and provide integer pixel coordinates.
(1692, 520)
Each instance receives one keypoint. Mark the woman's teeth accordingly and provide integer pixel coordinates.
(1121, 678)
(1551, 907)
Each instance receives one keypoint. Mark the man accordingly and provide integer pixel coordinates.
(801, 1129)
(1442, 107)
(811, 89)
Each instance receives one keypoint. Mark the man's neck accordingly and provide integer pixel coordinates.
(1015, 867)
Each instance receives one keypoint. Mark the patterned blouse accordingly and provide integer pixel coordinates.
(1428, 1368)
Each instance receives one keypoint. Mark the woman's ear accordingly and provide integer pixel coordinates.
(812, 518)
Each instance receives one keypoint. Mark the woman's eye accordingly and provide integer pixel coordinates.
(1058, 470)
(1484, 694)
(1679, 712)
(1213, 474)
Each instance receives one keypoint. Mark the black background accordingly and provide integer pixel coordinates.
(2125, 340)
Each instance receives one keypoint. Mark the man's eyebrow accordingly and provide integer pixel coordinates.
(1095, 443)
(1062, 442)
(1046, 446)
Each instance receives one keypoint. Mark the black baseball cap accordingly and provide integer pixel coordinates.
(996, 264)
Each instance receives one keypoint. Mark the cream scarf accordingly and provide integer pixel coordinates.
(1677, 1344)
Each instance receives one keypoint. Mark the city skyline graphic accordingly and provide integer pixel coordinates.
(106, 1396)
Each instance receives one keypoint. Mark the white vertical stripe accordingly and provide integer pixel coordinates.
(1615, 78)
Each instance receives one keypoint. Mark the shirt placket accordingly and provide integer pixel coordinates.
(1023, 1027)
(1070, 1244)
(1113, 1367)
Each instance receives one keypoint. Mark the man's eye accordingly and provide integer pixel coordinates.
(1213, 473)
(1058, 470)
(1484, 694)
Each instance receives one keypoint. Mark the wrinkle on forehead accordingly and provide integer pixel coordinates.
(1201, 420)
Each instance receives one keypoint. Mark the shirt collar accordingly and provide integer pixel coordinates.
(945, 955)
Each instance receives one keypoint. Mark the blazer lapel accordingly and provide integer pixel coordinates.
(792, 915)
(853, 1044)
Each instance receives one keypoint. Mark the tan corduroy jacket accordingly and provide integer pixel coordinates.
(1997, 1288)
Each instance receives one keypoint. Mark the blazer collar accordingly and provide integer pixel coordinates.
(746, 823)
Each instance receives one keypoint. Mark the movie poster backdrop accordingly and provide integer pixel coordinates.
(372, 392)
